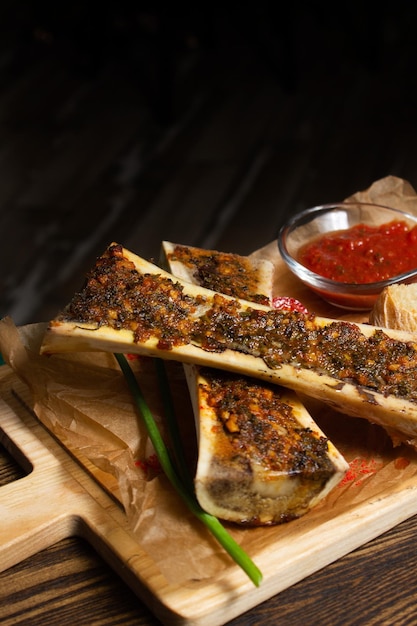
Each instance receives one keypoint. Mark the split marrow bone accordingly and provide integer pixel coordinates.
(174, 319)
(261, 457)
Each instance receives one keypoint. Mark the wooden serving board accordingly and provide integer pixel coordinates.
(60, 497)
(64, 495)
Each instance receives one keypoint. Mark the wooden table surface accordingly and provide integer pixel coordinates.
(210, 138)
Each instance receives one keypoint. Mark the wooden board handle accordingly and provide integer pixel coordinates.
(33, 516)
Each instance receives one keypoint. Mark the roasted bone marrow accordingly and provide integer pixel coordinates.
(261, 457)
(128, 304)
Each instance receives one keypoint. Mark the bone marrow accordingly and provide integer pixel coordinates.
(129, 304)
(262, 459)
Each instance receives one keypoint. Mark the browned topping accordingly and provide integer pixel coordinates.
(225, 272)
(261, 428)
(117, 295)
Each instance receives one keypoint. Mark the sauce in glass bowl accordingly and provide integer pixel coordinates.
(370, 238)
(363, 254)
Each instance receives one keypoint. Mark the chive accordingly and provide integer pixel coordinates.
(172, 423)
(234, 550)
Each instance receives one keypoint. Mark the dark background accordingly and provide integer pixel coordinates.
(138, 122)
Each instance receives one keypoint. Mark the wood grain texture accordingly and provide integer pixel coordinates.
(68, 583)
(10, 470)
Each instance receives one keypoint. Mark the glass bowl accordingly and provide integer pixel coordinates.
(310, 224)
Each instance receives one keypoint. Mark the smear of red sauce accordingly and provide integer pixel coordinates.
(363, 254)
(286, 303)
(149, 466)
(358, 469)
(401, 463)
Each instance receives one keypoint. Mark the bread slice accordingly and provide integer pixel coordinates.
(130, 305)
(396, 307)
(261, 457)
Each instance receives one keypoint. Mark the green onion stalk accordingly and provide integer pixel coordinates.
(176, 470)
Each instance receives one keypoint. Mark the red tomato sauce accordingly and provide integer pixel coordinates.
(363, 254)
